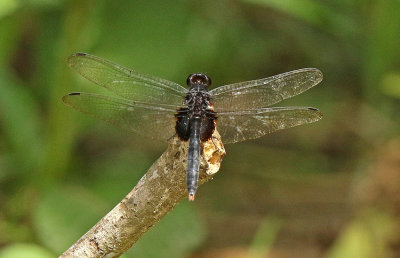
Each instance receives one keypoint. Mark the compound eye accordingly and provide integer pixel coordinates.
(208, 81)
(189, 80)
(198, 78)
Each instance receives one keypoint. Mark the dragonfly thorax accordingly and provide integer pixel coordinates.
(197, 100)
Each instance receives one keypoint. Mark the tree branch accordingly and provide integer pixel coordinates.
(156, 193)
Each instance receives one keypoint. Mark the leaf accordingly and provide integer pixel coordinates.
(20, 117)
(7, 7)
(174, 236)
(264, 237)
(64, 214)
(313, 12)
(391, 84)
(26, 251)
(380, 47)
(366, 236)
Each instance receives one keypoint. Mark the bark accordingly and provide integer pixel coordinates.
(156, 193)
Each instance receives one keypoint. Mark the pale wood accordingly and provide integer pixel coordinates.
(156, 194)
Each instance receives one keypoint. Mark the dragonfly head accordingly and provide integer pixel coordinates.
(198, 78)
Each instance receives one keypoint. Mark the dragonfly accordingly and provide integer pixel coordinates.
(160, 109)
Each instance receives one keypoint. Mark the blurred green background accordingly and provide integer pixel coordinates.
(327, 189)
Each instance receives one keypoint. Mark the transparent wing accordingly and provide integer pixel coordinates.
(152, 121)
(125, 82)
(264, 92)
(245, 125)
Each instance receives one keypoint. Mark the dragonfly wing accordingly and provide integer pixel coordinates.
(264, 92)
(245, 125)
(126, 82)
(152, 121)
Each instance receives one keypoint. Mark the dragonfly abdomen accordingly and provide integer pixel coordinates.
(193, 163)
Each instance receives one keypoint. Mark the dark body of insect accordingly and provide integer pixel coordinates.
(147, 105)
(195, 123)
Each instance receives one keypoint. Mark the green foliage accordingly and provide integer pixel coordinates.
(22, 114)
(64, 214)
(391, 84)
(366, 236)
(174, 236)
(264, 237)
(7, 7)
(314, 12)
(25, 250)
